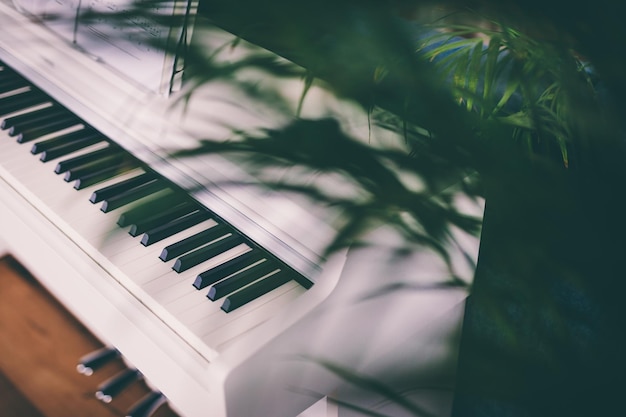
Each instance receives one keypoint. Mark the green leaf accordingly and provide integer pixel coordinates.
(448, 46)
(380, 73)
(448, 62)
(459, 78)
(308, 82)
(564, 154)
(493, 52)
(473, 73)
(511, 86)
(519, 119)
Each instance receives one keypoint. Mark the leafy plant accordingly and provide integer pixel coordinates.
(510, 87)
(505, 107)
(506, 75)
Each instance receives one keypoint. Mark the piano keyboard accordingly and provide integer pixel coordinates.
(180, 255)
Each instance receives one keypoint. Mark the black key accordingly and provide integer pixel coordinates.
(254, 291)
(240, 280)
(116, 384)
(226, 269)
(119, 161)
(206, 252)
(131, 195)
(121, 187)
(63, 150)
(147, 405)
(26, 135)
(154, 206)
(161, 218)
(10, 76)
(159, 233)
(7, 85)
(48, 123)
(62, 140)
(22, 101)
(7, 75)
(85, 159)
(33, 116)
(193, 242)
(100, 176)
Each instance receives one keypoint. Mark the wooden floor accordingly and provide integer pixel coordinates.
(40, 343)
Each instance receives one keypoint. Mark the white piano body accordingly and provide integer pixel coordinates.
(262, 359)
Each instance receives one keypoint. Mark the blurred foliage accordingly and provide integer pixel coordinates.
(520, 102)
(506, 75)
(477, 94)
(526, 97)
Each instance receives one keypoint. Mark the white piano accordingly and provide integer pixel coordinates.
(257, 350)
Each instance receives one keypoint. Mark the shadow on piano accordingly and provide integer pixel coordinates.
(258, 349)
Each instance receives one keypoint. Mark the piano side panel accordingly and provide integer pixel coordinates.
(62, 269)
(95, 299)
(405, 338)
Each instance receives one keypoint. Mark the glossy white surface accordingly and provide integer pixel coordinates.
(206, 362)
